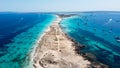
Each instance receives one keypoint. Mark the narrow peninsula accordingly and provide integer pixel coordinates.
(56, 50)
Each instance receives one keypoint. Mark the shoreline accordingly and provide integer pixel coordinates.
(46, 56)
(35, 47)
(31, 55)
(87, 56)
(78, 46)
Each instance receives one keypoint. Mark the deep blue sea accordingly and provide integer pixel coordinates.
(18, 33)
(99, 32)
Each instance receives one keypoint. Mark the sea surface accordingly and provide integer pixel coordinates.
(19, 33)
(99, 32)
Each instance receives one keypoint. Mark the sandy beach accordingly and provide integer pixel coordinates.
(56, 50)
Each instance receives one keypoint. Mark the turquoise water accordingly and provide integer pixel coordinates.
(99, 32)
(20, 39)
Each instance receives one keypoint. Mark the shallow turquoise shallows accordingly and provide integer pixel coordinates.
(16, 52)
(99, 32)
